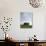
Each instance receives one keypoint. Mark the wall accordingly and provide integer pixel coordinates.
(12, 8)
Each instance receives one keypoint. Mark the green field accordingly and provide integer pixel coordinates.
(26, 25)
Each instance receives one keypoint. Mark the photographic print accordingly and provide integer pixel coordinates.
(26, 20)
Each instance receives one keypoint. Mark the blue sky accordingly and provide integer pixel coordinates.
(26, 17)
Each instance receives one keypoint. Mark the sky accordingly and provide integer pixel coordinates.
(26, 17)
